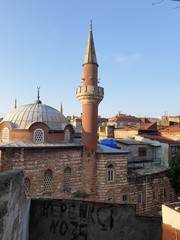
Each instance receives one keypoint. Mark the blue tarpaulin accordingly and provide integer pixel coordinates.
(109, 142)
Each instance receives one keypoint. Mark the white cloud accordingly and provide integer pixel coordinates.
(133, 58)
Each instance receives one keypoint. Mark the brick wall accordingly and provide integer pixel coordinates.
(111, 189)
(35, 161)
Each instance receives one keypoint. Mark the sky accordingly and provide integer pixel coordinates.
(43, 42)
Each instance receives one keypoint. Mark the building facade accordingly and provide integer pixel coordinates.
(39, 140)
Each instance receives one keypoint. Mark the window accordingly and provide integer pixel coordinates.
(67, 179)
(154, 195)
(110, 173)
(5, 135)
(142, 151)
(67, 136)
(26, 186)
(48, 181)
(125, 198)
(164, 193)
(38, 136)
(141, 198)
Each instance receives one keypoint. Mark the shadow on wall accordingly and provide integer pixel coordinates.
(65, 219)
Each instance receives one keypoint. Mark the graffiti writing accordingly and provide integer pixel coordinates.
(74, 218)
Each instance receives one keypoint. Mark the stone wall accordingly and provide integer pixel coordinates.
(14, 207)
(36, 161)
(58, 219)
(110, 190)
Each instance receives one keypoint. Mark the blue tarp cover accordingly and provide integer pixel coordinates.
(109, 142)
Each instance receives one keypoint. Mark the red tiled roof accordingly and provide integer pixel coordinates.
(124, 119)
(127, 128)
(161, 139)
(150, 126)
(173, 128)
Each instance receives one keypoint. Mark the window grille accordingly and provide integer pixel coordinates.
(110, 173)
(141, 198)
(48, 181)
(26, 186)
(38, 136)
(5, 135)
(67, 136)
(67, 179)
(124, 198)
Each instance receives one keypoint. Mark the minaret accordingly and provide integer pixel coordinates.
(15, 104)
(61, 108)
(90, 95)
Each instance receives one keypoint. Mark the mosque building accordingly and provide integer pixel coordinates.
(39, 140)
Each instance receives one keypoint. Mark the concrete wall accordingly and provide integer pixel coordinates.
(58, 219)
(14, 207)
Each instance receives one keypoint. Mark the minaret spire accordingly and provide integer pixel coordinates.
(15, 103)
(61, 108)
(90, 55)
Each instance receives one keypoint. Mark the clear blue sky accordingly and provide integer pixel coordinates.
(42, 43)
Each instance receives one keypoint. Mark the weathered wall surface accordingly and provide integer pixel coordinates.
(78, 220)
(14, 207)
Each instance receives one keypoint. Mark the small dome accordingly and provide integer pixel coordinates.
(23, 117)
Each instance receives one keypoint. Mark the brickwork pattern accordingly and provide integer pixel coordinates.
(36, 161)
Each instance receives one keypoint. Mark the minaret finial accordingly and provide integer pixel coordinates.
(15, 104)
(38, 96)
(90, 25)
(61, 108)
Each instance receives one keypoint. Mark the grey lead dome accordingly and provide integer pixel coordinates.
(23, 117)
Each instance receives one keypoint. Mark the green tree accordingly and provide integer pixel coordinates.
(174, 173)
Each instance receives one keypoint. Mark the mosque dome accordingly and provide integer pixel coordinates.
(23, 117)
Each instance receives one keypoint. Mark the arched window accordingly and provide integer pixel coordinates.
(38, 136)
(110, 173)
(67, 136)
(5, 135)
(67, 179)
(48, 181)
(26, 186)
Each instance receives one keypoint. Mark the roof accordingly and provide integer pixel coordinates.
(105, 149)
(39, 145)
(90, 55)
(149, 126)
(24, 116)
(161, 139)
(127, 128)
(125, 119)
(173, 128)
(130, 142)
(149, 170)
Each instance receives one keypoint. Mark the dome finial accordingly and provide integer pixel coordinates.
(38, 97)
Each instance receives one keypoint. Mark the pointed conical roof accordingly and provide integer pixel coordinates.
(90, 55)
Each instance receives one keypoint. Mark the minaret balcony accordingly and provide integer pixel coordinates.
(90, 94)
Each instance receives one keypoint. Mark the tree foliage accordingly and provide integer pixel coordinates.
(174, 173)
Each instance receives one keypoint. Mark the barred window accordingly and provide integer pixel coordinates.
(26, 186)
(5, 135)
(38, 136)
(48, 181)
(67, 179)
(67, 136)
(125, 198)
(141, 198)
(110, 173)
